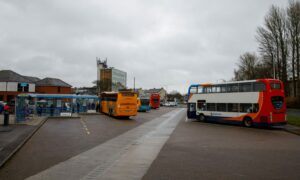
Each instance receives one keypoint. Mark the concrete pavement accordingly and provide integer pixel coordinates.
(61, 139)
(127, 156)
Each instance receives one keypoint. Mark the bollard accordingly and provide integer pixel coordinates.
(6, 118)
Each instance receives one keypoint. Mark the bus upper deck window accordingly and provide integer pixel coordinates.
(275, 86)
(200, 89)
(193, 90)
(258, 86)
(245, 87)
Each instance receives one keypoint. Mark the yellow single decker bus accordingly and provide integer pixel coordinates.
(119, 104)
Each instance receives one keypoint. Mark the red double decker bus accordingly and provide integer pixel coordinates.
(260, 101)
(155, 100)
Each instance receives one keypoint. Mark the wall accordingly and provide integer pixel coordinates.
(53, 90)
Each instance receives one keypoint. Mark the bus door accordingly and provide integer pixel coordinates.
(191, 111)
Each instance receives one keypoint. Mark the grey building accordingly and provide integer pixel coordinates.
(109, 78)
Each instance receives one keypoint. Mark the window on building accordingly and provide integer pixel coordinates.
(23, 87)
(58, 89)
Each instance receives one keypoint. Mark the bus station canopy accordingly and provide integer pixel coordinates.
(59, 96)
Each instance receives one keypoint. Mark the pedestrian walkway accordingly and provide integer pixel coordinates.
(127, 156)
(13, 136)
(11, 119)
(292, 129)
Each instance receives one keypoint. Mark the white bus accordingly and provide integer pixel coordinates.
(244, 102)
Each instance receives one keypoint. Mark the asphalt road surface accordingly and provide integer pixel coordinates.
(198, 150)
(154, 146)
(61, 139)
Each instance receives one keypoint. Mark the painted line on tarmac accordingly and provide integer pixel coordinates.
(127, 156)
(85, 126)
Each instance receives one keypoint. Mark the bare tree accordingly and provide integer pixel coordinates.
(247, 67)
(273, 40)
(293, 24)
(267, 48)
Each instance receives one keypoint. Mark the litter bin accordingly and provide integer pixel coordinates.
(6, 118)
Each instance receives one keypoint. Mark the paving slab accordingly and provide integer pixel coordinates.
(126, 156)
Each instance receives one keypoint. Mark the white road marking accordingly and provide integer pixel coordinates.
(85, 126)
(127, 156)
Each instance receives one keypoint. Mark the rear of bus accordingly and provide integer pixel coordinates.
(126, 104)
(145, 105)
(155, 100)
(272, 103)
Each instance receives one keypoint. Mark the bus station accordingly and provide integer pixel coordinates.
(50, 105)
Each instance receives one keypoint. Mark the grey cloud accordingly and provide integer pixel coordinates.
(169, 43)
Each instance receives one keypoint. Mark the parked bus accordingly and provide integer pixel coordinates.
(154, 100)
(119, 104)
(144, 104)
(253, 102)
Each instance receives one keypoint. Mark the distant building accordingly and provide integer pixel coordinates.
(161, 91)
(109, 78)
(53, 86)
(12, 84)
(86, 90)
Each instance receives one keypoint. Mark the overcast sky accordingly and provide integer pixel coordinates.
(163, 43)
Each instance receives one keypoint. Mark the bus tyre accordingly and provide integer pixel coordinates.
(247, 122)
(201, 117)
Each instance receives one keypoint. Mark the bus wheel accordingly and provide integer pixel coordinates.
(247, 122)
(202, 117)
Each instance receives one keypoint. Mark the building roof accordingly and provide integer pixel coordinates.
(11, 76)
(32, 79)
(52, 82)
(154, 90)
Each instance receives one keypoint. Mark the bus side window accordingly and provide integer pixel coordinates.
(193, 90)
(233, 107)
(211, 107)
(259, 86)
(255, 108)
(245, 87)
(223, 89)
(233, 88)
(200, 89)
(201, 105)
(192, 107)
(246, 107)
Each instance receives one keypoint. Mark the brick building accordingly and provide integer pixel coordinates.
(53, 86)
(12, 84)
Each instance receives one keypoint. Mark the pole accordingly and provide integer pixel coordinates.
(133, 83)
(274, 75)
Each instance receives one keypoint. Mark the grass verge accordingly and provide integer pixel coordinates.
(293, 120)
